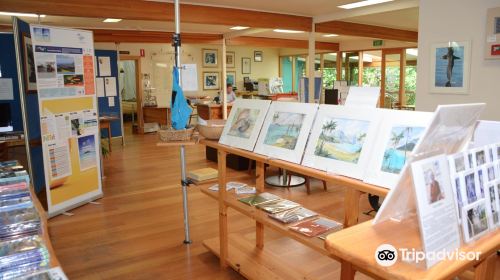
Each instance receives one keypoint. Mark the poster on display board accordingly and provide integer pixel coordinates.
(65, 67)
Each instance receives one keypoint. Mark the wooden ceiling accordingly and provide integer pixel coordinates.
(161, 11)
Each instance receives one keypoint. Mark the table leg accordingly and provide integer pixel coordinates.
(223, 233)
(109, 137)
(351, 207)
(259, 227)
(347, 271)
(486, 269)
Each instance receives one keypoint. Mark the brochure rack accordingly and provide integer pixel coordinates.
(251, 260)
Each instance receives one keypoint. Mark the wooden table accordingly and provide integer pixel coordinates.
(160, 115)
(211, 111)
(105, 122)
(221, 246)
(356, 247)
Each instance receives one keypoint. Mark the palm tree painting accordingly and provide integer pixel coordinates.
(342, 139)
(401, 143)
(284, 130)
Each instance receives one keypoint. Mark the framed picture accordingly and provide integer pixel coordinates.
(341, 140)
(246, 65)
(285, 130)
(397, 136)
(475, 220)
(492, 46)
(231, 78)
(210, 58)
(29, 65)
(230, 59)
(257, 56)
(450, 67)
(244, 123)
(211, 80)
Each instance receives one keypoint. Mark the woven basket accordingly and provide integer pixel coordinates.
(170, 134)
(212, 130)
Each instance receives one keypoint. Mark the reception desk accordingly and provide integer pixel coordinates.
(211, 111)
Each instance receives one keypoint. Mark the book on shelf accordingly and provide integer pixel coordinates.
(55, 273)
(203, 174)
(335, 229)
(229, 186)
(315, 227)
(245, 190)
(259, 198)
(293, 215)
(278, 206)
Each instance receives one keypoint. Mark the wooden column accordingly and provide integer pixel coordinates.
(311, 57)
(351, 207)
(339, 66)
(486, 269)
(360, 69)
(402, 74)
(259, 185)
(223, 82)
(223, 234)
(382, 82)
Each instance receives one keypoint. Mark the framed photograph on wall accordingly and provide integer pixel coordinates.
(231, 78)
(246, 65)
(492, 46)
(210, 80)
(209, 57)
(29, 65)
(230, 59)
(450, 67)
(257, 56)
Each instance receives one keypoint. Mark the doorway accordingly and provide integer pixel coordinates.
(393, 78)
(131, 92)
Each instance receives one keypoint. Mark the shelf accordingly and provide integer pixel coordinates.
(264, 264)
(262, 217)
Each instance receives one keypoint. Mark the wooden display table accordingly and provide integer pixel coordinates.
(160, 115)
(105, 123)
(211, 111)
(220, 247)
(356, 247)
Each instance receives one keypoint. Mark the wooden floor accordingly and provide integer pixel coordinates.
(136, 231)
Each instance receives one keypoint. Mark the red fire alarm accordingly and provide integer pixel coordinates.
(495, 50)
(143, 54)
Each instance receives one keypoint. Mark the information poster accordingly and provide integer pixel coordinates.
(65, 67)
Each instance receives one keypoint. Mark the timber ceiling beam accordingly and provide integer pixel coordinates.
(364, 30)
(280, 43)
(158, 11)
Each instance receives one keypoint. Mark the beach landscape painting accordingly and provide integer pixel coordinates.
(401, 143)
(244, 122)
(284, 130)
(342, 139)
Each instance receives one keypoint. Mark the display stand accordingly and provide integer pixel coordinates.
(254, 261)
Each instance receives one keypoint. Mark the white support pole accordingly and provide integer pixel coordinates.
(223, 82)
(312, 54)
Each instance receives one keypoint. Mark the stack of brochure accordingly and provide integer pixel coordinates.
(293, 215)
(259, 199)
(22, 250)
(316, 227)
(278, 206)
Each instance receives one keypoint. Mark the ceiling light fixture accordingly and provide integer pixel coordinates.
(239, 27)
(287, 31)
(112, 20)
(362, 4)
(20, 14)
(330, 35)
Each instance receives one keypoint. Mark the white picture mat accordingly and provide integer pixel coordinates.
(354, 170)
(465, 228)
(363, 96)
(390, 119)
(295, 155)
(239, 142)
(466, 68)
(487, 132)
(449, 132)
(438, 220)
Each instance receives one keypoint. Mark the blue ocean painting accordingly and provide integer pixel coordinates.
(400, 145)
(342, 139)
(449, 59)
(284, 130)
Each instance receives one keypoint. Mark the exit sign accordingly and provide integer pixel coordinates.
(378, 43)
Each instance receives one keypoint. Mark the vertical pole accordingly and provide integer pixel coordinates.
(360, 69)
(184, 182)
(22, 95)
(312, 54)
(119, 93)
(223, 232)
(223, 82)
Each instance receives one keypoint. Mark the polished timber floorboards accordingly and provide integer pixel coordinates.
(136, 231)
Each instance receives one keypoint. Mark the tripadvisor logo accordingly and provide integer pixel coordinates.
(386, 255)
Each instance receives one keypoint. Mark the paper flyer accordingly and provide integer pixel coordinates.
(99, 83)
(59, 164)
(110, 85)
(87, 152)
(111, 101)
(104, 66)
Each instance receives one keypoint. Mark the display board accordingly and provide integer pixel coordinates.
(64, 63)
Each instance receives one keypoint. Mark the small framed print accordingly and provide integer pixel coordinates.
(475, 220)
(494, 206)
(450, 65)
(257, 56)
(457, 162)
(29, 65)
(246, 65)
(210, 80)
(210, 58)
(230, 59)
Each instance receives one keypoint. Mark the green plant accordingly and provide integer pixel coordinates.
(104, 149)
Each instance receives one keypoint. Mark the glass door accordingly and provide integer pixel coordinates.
(392, 84)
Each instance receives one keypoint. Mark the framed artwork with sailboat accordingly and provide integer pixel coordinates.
(450, 67)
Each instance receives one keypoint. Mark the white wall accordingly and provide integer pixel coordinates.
(458, 20)
(159, 60)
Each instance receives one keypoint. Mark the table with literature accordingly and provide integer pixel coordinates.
(25, 246)
(241, 255)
